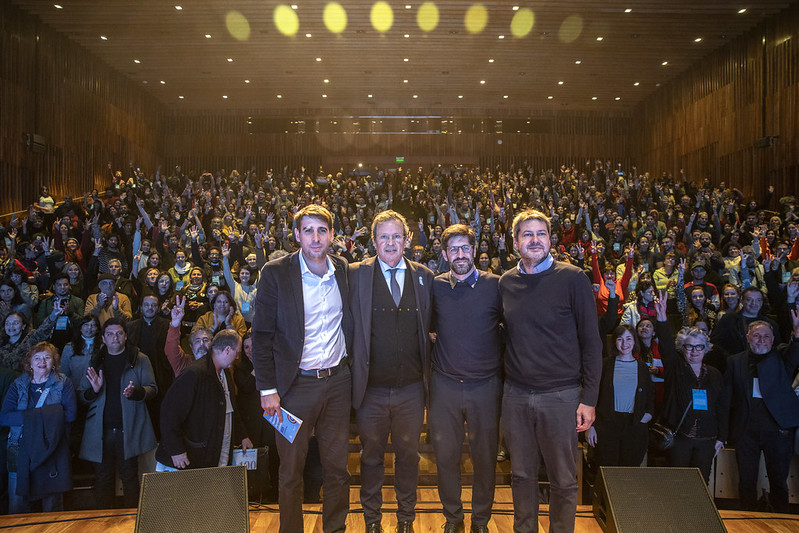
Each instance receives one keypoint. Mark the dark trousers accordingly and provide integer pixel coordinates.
(324, 407)
(620, 440)
(398, 412)
(104, 472)
(697, 453)
(539, 425)
(777, 447)
(453, 403)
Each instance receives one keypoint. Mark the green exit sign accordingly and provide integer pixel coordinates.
(400, 159)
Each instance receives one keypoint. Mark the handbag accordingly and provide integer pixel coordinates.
(661, 436)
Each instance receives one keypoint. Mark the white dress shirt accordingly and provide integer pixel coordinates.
(400, 275)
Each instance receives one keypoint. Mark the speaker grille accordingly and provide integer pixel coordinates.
(202, 500)
(655, 500)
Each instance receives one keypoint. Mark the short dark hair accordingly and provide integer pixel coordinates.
(458, 230)
(225, 338)
(116, 321)
(313, 211)
(618, 332)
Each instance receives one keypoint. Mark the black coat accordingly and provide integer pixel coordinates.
(193, 416)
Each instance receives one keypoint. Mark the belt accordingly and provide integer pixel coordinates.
(322, 373)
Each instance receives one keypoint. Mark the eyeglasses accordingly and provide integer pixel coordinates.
(465, 248)
(694, 347)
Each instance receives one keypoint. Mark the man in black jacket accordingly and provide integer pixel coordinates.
(198, 421)
(761, 411)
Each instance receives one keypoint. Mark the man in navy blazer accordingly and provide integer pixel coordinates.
(761, 411)
(301, 332)
(391, 306)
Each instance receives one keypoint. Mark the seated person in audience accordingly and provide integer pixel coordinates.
(67, 323)
(17, 337)
(223, 315)
(108, 303)
(199, 340)
(11, 301)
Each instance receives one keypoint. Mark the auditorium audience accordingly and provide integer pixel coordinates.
(188, 247)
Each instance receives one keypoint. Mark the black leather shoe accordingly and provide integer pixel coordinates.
(374, 527)
(454, 527)
(404, 526)
(481, 528)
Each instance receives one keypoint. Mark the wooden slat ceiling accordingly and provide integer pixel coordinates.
(444, 67)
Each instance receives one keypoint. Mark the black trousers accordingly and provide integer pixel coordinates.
(777, 447)
(114, 456)
(620, 440)
(324, 407)
(454, 403)
(398, 412)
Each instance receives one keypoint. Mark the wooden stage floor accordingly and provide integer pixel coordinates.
(428, 520)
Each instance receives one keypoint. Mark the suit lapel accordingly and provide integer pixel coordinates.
(295, 282)
(366, 274)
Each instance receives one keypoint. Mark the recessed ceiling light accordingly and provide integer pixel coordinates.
(636, 84)
(628, 10)
(593, 98)
(58, 6)
(658, 84)
(308, 35)
(665, 63)
(560, 83)
(599, 38)
(618, 98)
(482, 82)
(416, 96)
(293, 6)
(144, 82)
(742, 11)
(550, 97)
(103, 37)
(207, 35)
(516, 8)
(404, 81)
(137, 61)
(490, 60)
(224, 96)
(506, 96)
(246, 81)
(324, 96)
(405, 59)
(163, 82)
(230, 60)
(368, 95)
(280, 96)
(318, 59)
(326, 81)
(501, 37)
(698, 40)
(407, 6)
(181, 97)
(577, 62)
(460, 96)
(179, 8)
(407, 35)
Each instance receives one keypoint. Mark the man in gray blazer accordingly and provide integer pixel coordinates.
(301, 336)
(390, 299)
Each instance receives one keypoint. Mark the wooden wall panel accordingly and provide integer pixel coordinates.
(708, 120)
(88, 114)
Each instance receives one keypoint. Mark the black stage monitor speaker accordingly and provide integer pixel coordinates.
(202, 500)
(654, 500)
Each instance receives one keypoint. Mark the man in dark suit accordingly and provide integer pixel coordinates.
(761, 411)
(391, 306)
(301, 336)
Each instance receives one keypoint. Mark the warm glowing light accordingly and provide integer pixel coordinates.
(600, 38)
(427, 16)
(224, 96)
(246, 81)
(368, 95)
(460, 96)
(308, 35)
(742, 11)
(628, 10)
(404, 81)
(138, 62)
(179, 8)
(416, 96)
(593, 98)
(490, 60)
(482, 82)
(570, 29)
(207, 35)
(501, 37)
(698, 40)
(230, 60)
(382, 17)
(286, 20)
(506, 96)
(324, 96)
(522, 22)
(406, 59)
(280, 96)
(334, 17)
(560, 83)
(577, 62)
(636, 84)
(326, 81)
(163, 82)
(618, 98)
(516, 8)
(181, 97)
(476, 18)
(103, 37)
(318, 59)
(407, 35)
(665, 63)
(550, 97)
(58, 6)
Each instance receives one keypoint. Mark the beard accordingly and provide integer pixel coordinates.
(462, 266)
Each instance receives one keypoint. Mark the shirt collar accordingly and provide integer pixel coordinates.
(540, 267)
(305, 270)
(385, 267)
(471, 280)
